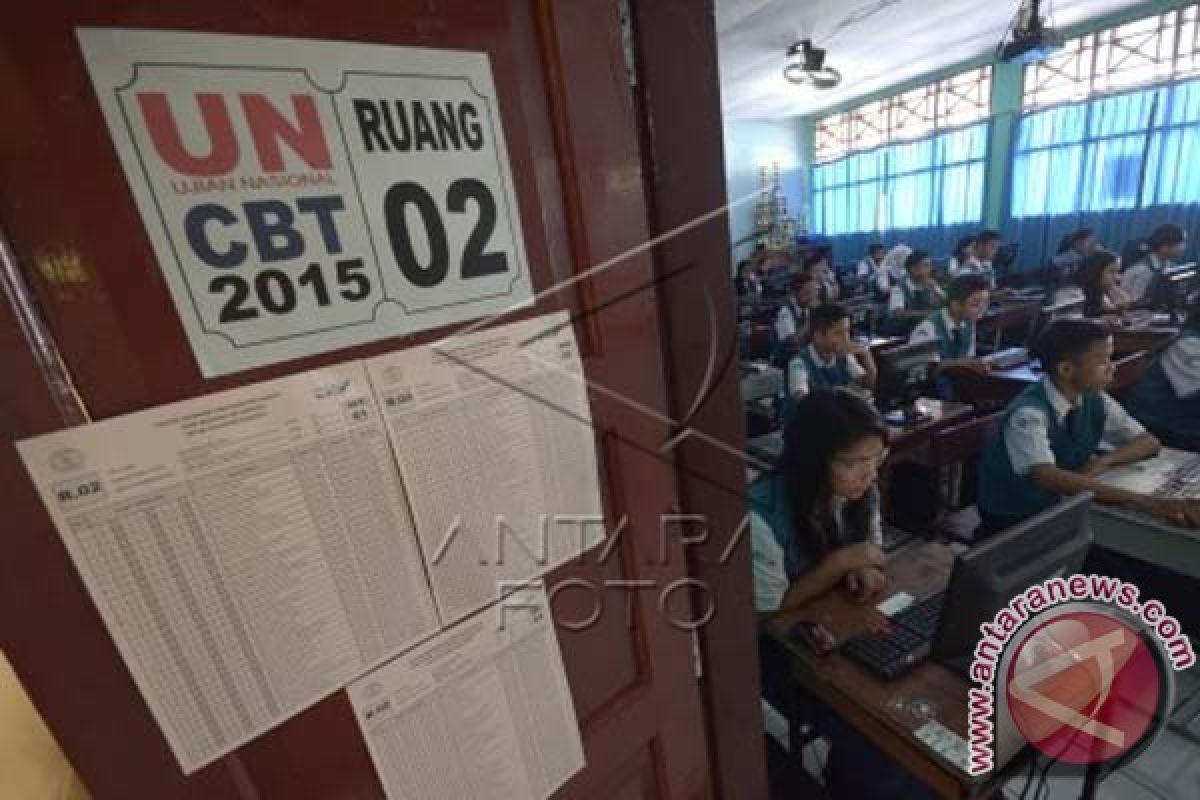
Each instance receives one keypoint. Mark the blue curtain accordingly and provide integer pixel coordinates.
(1121, 164)
(925, 193)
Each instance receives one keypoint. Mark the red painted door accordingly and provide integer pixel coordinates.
(111, 343)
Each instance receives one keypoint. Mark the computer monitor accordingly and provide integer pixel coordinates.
(989, 575)
(905, 373)
(1173, 287)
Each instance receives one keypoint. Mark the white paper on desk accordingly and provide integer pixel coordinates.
(494, 439)
(249, 551)
(483, 710)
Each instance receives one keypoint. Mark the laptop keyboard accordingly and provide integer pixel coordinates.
(1184, 481)
(907, 643)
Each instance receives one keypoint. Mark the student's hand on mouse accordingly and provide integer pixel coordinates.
(866, 584)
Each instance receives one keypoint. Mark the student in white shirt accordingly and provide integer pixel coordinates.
(964, 259)
(1099, 277)
(833, 359)
(893, 264)
(791, 324)
(1167, 398)
(817, 264)
(871, 273)
(954, 327)
(1072, 250)
(918, 293)
(986, 247)
(1049, 444)
(816, 528)
(1166, 245)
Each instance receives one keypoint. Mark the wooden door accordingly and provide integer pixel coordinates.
(82, 267)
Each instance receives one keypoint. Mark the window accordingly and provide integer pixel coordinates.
(1131, 150)
(949, 103)
(934, 181)
(1152, 50)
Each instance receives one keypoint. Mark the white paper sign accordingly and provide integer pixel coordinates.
(250, 551)
(304, 196)
(483, 710)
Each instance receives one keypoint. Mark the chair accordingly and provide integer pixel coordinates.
(955, 452)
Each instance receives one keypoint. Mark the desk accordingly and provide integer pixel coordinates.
(995, 390)
(1139, 536)
(1019, 315)
(867, 703)
(903, 442)
(1134, 339)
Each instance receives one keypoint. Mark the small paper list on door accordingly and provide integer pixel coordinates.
(250, 551)
(483, 710)
(494, 439)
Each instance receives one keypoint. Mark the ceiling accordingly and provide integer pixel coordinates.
(873, 43)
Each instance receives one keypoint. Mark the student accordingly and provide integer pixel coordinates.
(918, 293)
(964, 258)
(1167, 399)
(1165, 245)
(1048, 445)
(827, 286)
(1099, 277)
(815, 527)
(833, 359)
(893, 264)
(1072, 250)
(791, 324)
(953, 328)
(986, 248)
(748, 282)
(871, 273)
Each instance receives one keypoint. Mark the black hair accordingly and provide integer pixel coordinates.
(1073, 238)
(812, 259)
(1066, 339)
(914, 258)
(824, 317)
(962, 287)
(989, 235)
(876, 247)
(963, 244)
(1167, 235)
(1088, 277)
(801, 278)
(826, 422)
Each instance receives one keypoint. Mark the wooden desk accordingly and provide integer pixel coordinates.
(1020, 315)
(881, 711)
(904, 442)
(995, 390)
(1136, 339)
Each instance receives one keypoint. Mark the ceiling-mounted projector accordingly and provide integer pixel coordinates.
(806, 67)
(1032, 40)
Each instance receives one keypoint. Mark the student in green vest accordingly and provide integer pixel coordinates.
(832, 358)
(1049, 444)
(954, 327)
(815, 528)
(914, 296)
(1167, 398)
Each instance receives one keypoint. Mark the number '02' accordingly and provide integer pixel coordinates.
(475, 262)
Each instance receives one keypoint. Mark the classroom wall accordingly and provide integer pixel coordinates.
(749, 146)
(1006, 108)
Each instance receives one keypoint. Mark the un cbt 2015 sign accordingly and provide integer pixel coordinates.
(303, 196)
